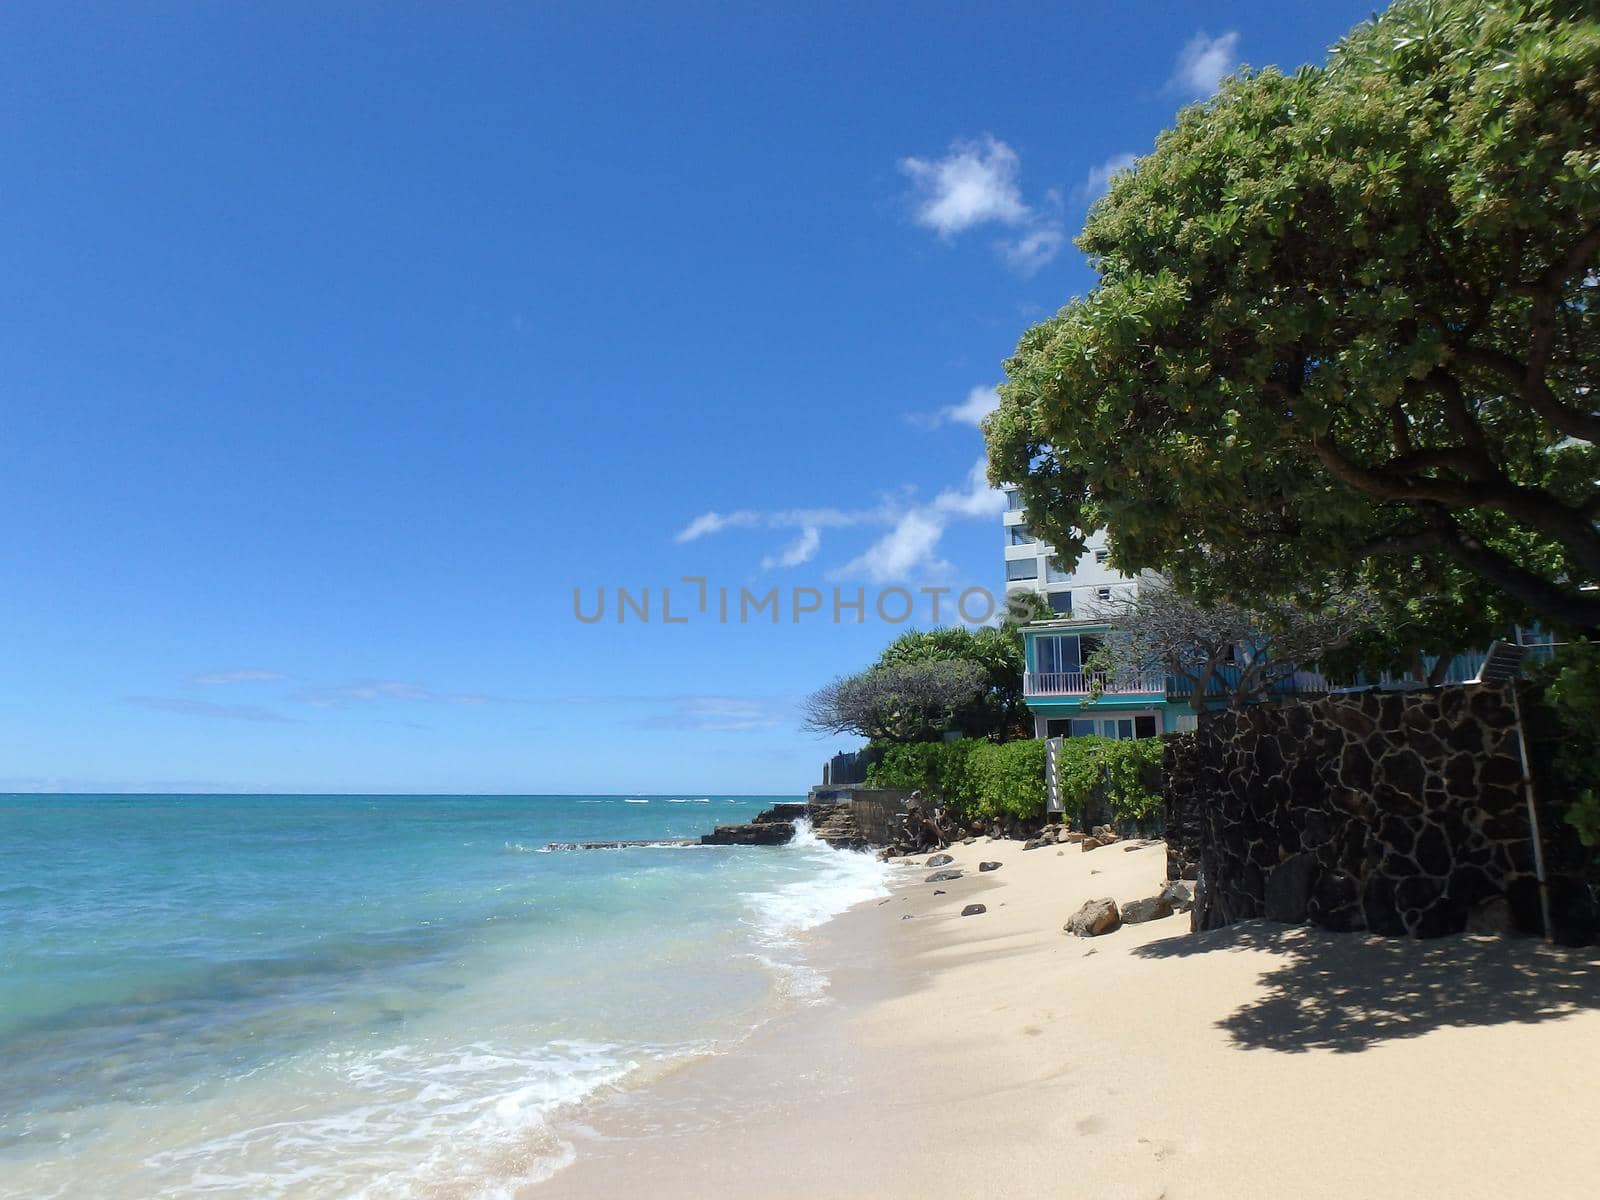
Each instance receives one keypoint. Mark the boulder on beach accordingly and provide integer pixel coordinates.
(1178, 895)
(988, 866)
(973, 910)
(940, 860)
(942, 877)
(1136, 911)
(1094, 918)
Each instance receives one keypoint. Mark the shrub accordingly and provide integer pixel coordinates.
(937, 768)
(1008, 779)
(981, 780)
(1573, 691)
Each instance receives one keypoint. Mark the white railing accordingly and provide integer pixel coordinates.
(1083, 683)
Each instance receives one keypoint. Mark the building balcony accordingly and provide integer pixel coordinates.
(1088, 683)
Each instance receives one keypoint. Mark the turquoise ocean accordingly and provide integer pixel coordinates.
(370, 996)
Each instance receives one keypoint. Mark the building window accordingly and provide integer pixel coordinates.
(1058, 727)
(1102, 593)
(1144, 726)
(1100, 556)
(1022, 568)
(1055, 573)
(1021, 535)
(1056, 655)
(1061, 603)
(1013, 500)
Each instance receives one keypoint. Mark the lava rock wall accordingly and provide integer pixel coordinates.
(1397, 813)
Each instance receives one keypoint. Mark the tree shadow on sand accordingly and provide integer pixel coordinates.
(1347, 992)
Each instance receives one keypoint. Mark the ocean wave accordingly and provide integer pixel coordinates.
(411, 1122)
(832, 881)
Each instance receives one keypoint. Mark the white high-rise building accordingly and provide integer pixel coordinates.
(1086, 588)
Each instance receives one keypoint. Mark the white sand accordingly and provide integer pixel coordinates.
(995, 1055)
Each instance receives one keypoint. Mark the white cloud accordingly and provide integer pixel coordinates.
(207, 708)
(980, 402)
(802, 550)
(975, 183)
(904, 550)
(246, 675)
(914, 528)
(975, 499)
(1033, 250)
(720, 714)
(909, 548)
(1099, 178)
(1203, 62)
(368, 690)
(715, 522)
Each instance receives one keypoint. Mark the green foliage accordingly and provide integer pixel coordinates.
(905, 701)
(999, 712)
(1111, 773)
(1574, 693)
(1345, 332)
(1008, 779)
(933, 768)
(984, 780)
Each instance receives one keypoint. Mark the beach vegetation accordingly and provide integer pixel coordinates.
(897, 702)
(980, 781)
(1572, 691)
(1345, 329)
(927, 683)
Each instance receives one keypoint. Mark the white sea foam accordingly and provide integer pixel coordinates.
(409, 1122)
(833, 881)
(830, 882)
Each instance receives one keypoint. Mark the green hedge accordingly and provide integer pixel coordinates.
(1573, 693)
(982, 780)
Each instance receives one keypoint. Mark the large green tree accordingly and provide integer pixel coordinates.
(1345, 327)
(928, 682)
(999, 713)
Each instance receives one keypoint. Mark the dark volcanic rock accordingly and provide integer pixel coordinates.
(1396, 813)
(758, 833)
(988, 866)
(973, 910)
(1289, 888)
(942, 877)
(940, 860)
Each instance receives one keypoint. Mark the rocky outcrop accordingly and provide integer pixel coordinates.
(773, 827)
(1094, 918)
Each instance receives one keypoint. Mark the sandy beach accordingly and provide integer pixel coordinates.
(997, 1055)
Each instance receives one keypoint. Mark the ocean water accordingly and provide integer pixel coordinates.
(369, 996)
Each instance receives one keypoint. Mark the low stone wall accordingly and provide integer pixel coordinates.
(1398, 813)
(879, 813)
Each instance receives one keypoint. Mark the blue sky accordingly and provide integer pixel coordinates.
(342, 343)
